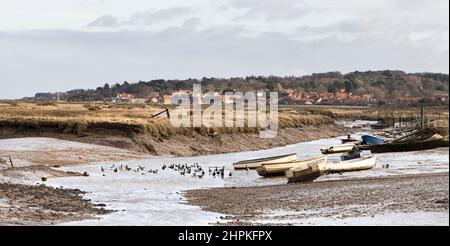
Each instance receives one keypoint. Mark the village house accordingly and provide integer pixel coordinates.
(123, 98)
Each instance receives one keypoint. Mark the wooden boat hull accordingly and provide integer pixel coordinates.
(254, 163)
(279, 169)
(338, 149)
(305, 173)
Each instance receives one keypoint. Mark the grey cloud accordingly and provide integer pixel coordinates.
(145, 18)
(61, 60)
(271, 9)
(105, 21)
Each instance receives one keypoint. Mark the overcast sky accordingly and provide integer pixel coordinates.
(51, 45)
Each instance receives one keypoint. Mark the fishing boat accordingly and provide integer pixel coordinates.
(308, 173)
(279, 169)
(367, 139)
(254, 163)
(338, 149)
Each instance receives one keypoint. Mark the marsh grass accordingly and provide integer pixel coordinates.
(80, 118)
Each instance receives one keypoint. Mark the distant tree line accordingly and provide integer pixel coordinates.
(386, 86)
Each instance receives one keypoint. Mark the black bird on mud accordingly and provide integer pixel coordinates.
(115, 170)
(230, 174)
(164, 167)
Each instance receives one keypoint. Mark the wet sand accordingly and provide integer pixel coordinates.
(336, 199)
(42, 205)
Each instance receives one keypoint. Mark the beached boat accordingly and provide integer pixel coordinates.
(279, 169)
(308, 173)
(366, 139)
(254, 163)
(359, 164)
(407, 145)
(338, 149)
(305, 173)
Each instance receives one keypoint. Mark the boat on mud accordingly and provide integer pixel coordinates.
(338, 149)
(351, 165)
(254, 163)
(367, 139)
(279, 169)
(414, 143)
(348, 163)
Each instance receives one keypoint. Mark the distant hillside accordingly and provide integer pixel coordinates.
(384, 86)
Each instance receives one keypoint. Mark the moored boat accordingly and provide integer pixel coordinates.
(367, 139)
(338, 149)
(310, 172)
(254, 163)
(305, 173)
(359, 164)
(279, 169)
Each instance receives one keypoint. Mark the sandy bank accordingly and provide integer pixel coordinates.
(328, 199)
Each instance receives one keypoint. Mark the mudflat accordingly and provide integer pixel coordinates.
(332, 199)
(42, 205)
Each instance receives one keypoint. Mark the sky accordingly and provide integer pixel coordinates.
(51, 45)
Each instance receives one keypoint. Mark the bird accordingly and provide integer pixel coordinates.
(230, 174)
(103, 170)
(115, 170)
(164, 167)
(155, 171)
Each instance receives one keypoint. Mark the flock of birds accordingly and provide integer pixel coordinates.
(195, 170)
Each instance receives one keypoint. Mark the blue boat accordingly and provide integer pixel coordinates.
(366, 139)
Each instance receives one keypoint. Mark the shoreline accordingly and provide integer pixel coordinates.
(335, 200)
